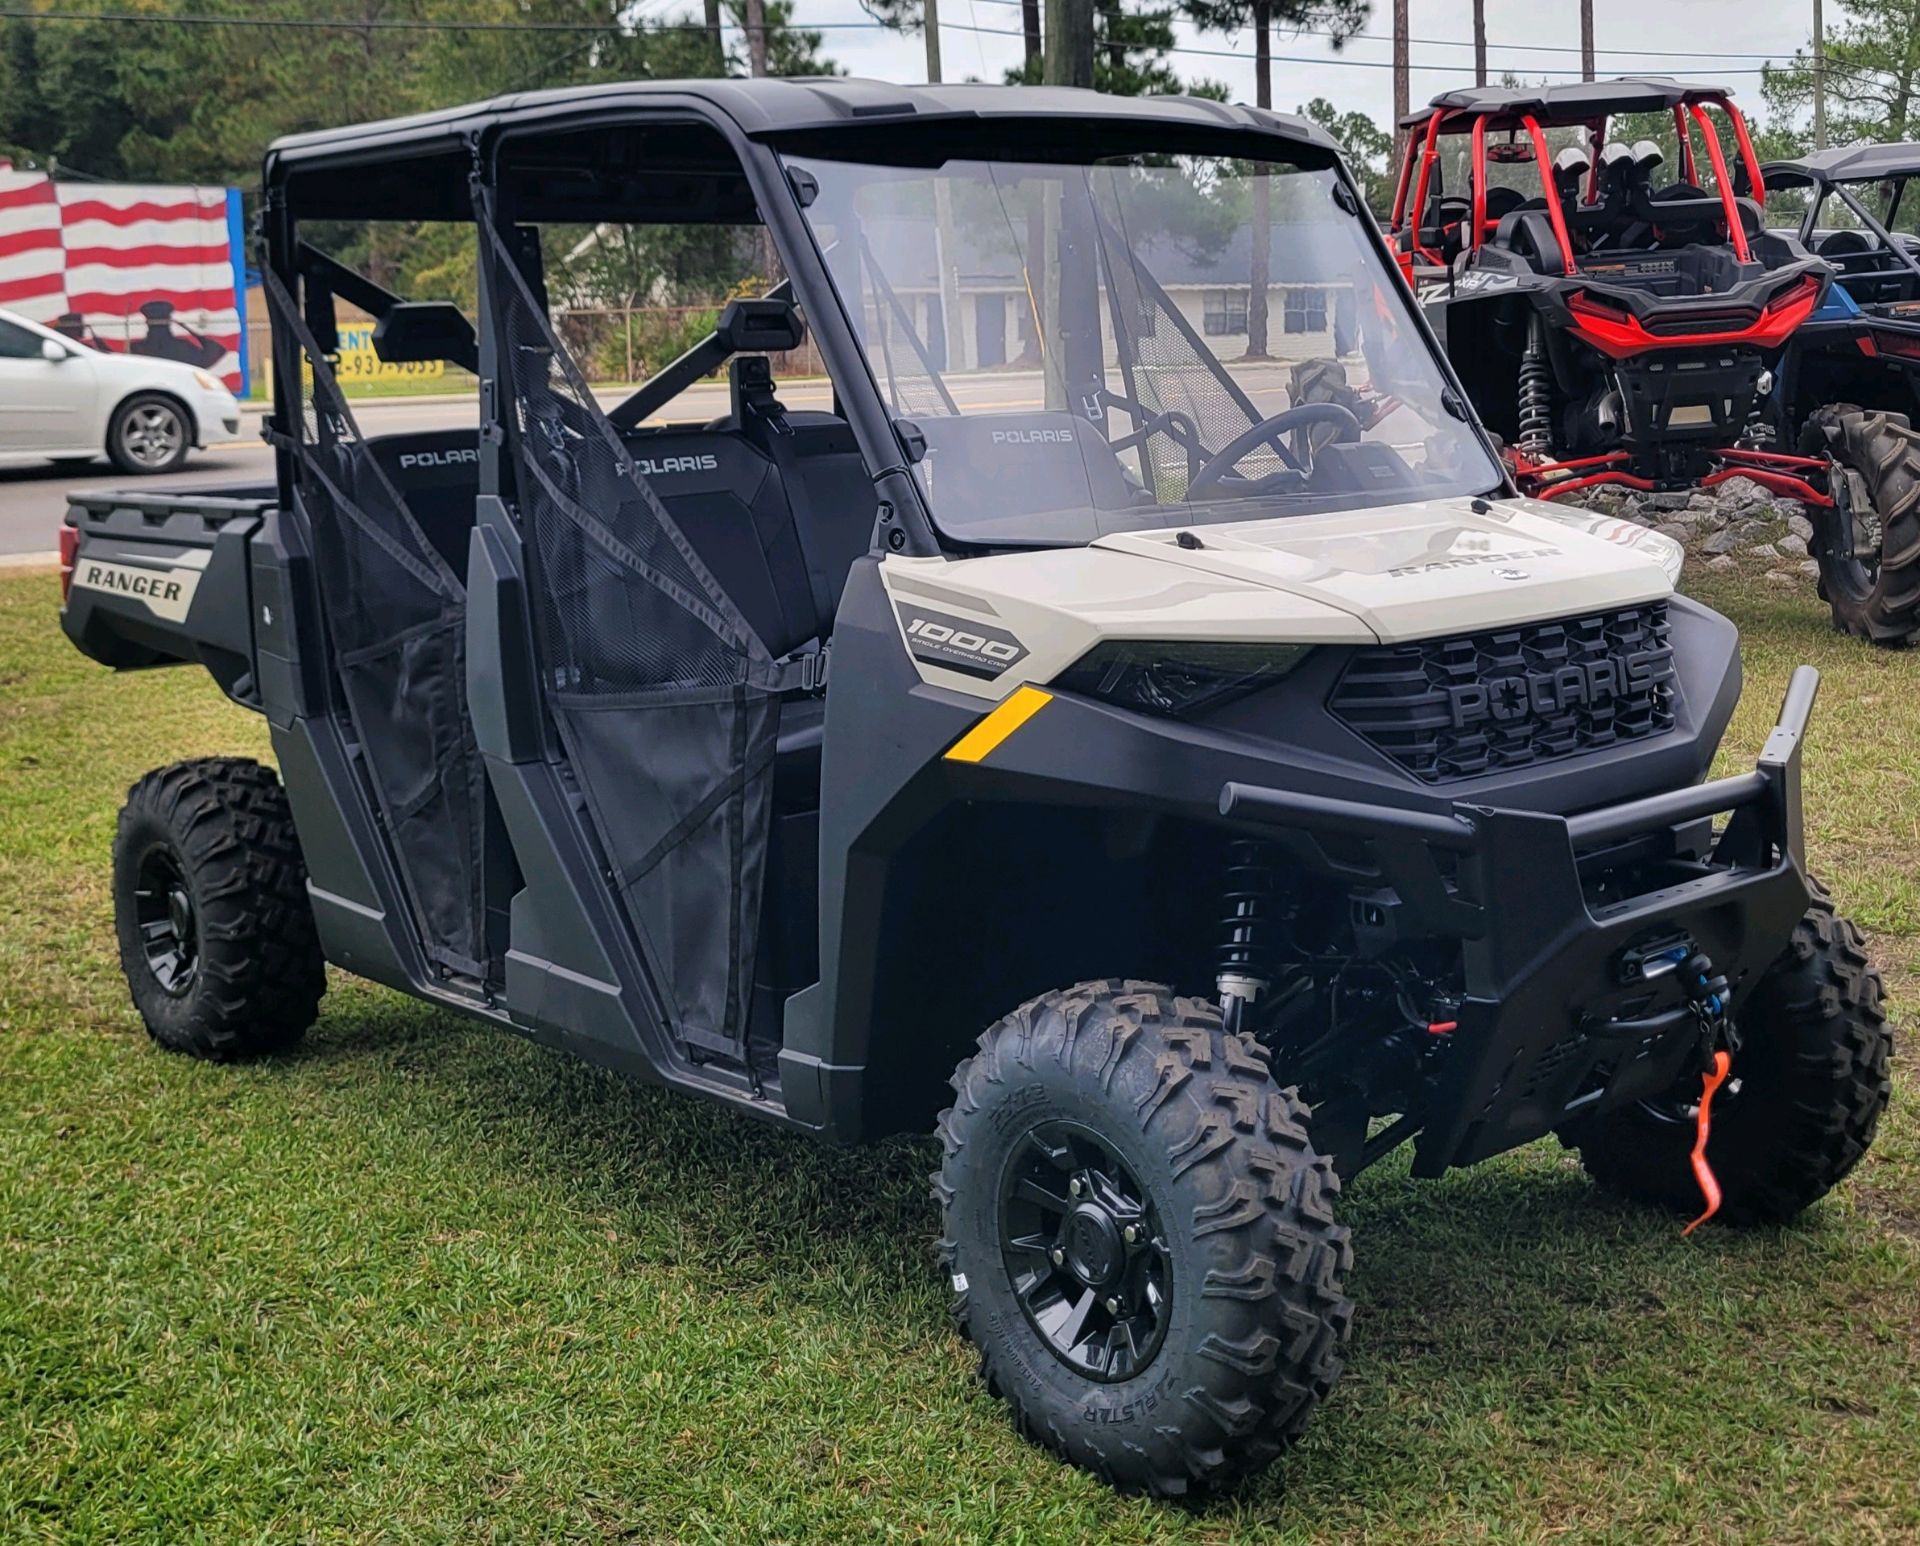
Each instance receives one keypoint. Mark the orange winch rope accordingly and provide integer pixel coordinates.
(1702, 1171)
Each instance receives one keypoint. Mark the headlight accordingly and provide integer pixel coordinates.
(208, 383)
(1177, 679)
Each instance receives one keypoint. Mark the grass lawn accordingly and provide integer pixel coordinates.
(423, 1281)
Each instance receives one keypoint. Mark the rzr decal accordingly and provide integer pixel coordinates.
(958, 643)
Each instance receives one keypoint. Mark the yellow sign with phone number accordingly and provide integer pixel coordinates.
(358, 363)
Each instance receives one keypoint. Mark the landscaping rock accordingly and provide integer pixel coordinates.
(1764, 550)
(1781, 577)
(1724, 541)
(1723, 562)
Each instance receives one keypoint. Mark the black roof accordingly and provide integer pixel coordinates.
(1849, 163)
(774, 108)
(1573, 101)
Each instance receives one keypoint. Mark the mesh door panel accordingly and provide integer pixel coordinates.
(397, 616)
(665, 700)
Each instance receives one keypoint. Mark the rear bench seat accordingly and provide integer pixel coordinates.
(778, 532)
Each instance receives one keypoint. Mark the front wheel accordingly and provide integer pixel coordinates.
(1801, 1105)
(149, 433)
(1868, 545)
(1140, 1237)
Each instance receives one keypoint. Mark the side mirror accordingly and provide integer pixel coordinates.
(51, 351)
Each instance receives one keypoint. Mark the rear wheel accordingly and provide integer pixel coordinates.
(1800, 1106)
(210, 905)
(1140, 1237)
(1869, 545)
(149, 433)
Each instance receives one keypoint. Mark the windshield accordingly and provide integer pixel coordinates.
(1089, 349)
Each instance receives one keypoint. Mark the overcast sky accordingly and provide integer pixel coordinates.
(1358, 76)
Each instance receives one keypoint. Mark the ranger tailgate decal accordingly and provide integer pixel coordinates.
(166, 593)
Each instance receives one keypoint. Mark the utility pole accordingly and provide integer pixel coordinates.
(1479, 42)
(755, 18)
(1586, 40)
(950, 353)
(1260, 255)
(1819, 79)
(1402, 87)
(1068, 62)
(1034, 57)
(1069, 53)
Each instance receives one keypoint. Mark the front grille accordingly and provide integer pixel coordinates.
(1447, 709)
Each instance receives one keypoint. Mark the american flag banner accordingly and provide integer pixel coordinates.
(135, 268)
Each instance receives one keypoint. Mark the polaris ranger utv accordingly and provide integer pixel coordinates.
(1614, 320)
(1211, 756)
(1850, 382)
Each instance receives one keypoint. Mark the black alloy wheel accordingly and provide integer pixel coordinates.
(168, 922)
(1084, 1251)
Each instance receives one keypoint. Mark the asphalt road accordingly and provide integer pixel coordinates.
(33, 499)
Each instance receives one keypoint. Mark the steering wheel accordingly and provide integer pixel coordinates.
(1268, 432)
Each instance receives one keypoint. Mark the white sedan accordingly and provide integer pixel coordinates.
(60, 400)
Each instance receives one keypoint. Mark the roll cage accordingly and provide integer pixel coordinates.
(1875, 248)
(1589, 106)
(556, 680)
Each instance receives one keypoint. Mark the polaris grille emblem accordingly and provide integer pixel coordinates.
(1509, 574)
(1593, 684)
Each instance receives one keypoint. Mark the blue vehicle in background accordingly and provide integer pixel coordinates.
(1849, 382)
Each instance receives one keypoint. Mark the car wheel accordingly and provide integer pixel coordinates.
(149, 433)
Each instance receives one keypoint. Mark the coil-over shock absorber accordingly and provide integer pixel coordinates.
(1536, 396)
(1246, 923)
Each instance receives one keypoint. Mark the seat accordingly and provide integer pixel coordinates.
(437, 473)
(1527, 231)
(731, 504)
(825, 477)
(1501, 202)
(1015, 464)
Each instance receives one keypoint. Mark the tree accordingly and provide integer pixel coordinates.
(1367, 147)
(1342, 18)
(149, 101)
(1872, 69)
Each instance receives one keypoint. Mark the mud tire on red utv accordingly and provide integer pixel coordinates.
(1238, 1233)
(1812, 1083)
(1873, 596)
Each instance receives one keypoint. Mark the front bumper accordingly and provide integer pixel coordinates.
(1554, 1026)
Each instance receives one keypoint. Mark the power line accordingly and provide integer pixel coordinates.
(1317, 60)
(1530, 48)
(619, 29)
(405, 24)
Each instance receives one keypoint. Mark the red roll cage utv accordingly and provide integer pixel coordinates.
(1611, 328)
